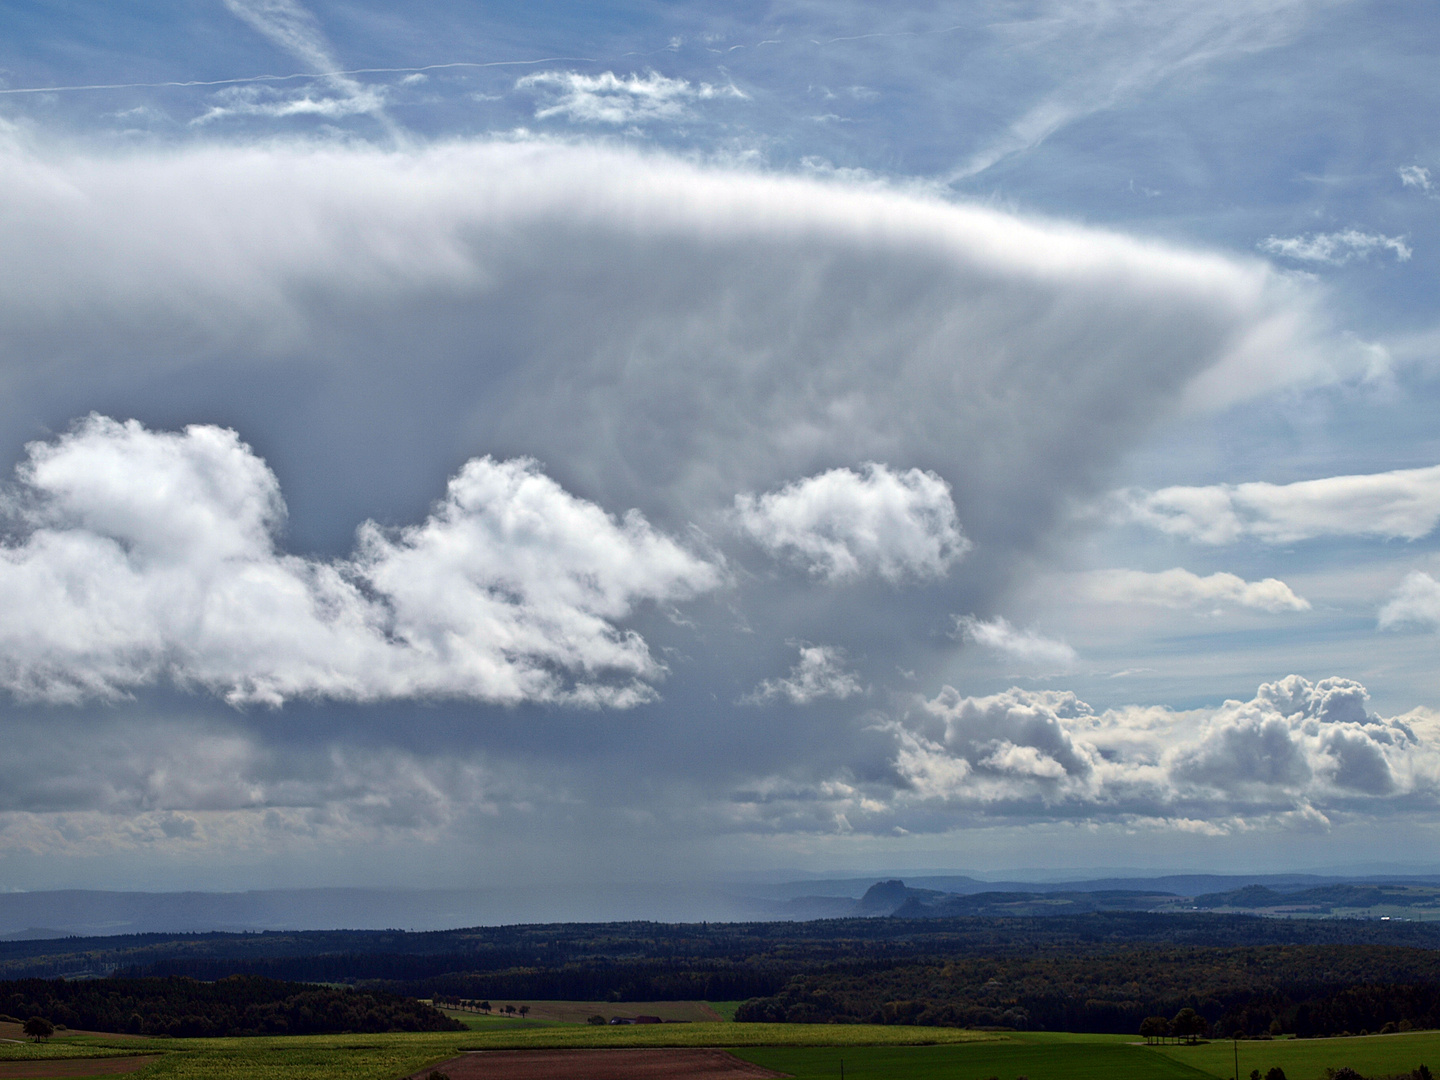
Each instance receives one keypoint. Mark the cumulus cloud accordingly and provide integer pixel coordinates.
(845, 524)
(1335, 248)
(142, 556)
(1027, 646)
(608, 98)
(1415, 603)
(1404, 504)
(1295, 748)
(1180, 588)
(820, 673)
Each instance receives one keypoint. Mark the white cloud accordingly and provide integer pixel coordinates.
(608, 98)
(1404, 504)
(820, 673)
(1180, 588)
(1295, 747)
(144, 556)
(1027, 646)
(1415, 603)
(1335, 248)
(845, 524)
(1416, 176)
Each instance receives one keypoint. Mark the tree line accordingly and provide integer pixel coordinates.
(237, 1005)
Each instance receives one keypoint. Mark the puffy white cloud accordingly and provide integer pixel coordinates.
(608, 98)
(1416, 603)
(845, 524)
(146, 555)
(1028, 646)
(1180, 588)
(1295, 747)
(820, 673)
(1335, 248)
(1404, 504)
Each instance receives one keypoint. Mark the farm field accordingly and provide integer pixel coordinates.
(1305, 1059)
(390, 1056)
(807, 1052)
(1058, 1056)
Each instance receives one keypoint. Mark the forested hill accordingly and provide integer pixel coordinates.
(656, 961)
(340, 956)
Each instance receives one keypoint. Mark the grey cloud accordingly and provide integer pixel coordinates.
(654, 335)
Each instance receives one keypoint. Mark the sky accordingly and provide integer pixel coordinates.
(554, 444)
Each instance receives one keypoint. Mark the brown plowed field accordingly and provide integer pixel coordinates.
(601, 1065)
(72, 1067)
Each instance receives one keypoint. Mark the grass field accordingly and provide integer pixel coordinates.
(808, 1052)
(1305, 1059)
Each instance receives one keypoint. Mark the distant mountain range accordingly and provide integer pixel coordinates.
(53, 914)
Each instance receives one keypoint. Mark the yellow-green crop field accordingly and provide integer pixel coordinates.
(808, 1052)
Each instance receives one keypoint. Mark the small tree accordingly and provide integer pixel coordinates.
(509, 1010)
(1154, 1027)
(485, 1007)
(38, 1028)
(524, 1009)
(597, 1019)
(1188, 1025)
(1275, 1073)
(1422, 1073)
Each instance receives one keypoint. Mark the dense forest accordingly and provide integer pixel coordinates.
(238, 1005)
(1102, 971)
(1302, 990)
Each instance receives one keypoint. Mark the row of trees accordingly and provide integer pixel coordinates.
(471, 1005)
(239, 1005)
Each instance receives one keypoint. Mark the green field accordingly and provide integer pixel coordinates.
(1049, 1056)
(808, 1052)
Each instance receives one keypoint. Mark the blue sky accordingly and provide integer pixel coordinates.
(576, 442)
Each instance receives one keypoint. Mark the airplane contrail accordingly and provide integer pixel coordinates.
(296, 75)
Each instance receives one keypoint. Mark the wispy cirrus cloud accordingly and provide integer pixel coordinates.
(1337, 248)
(613, 99)
(1416, 176)
(294, 28)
